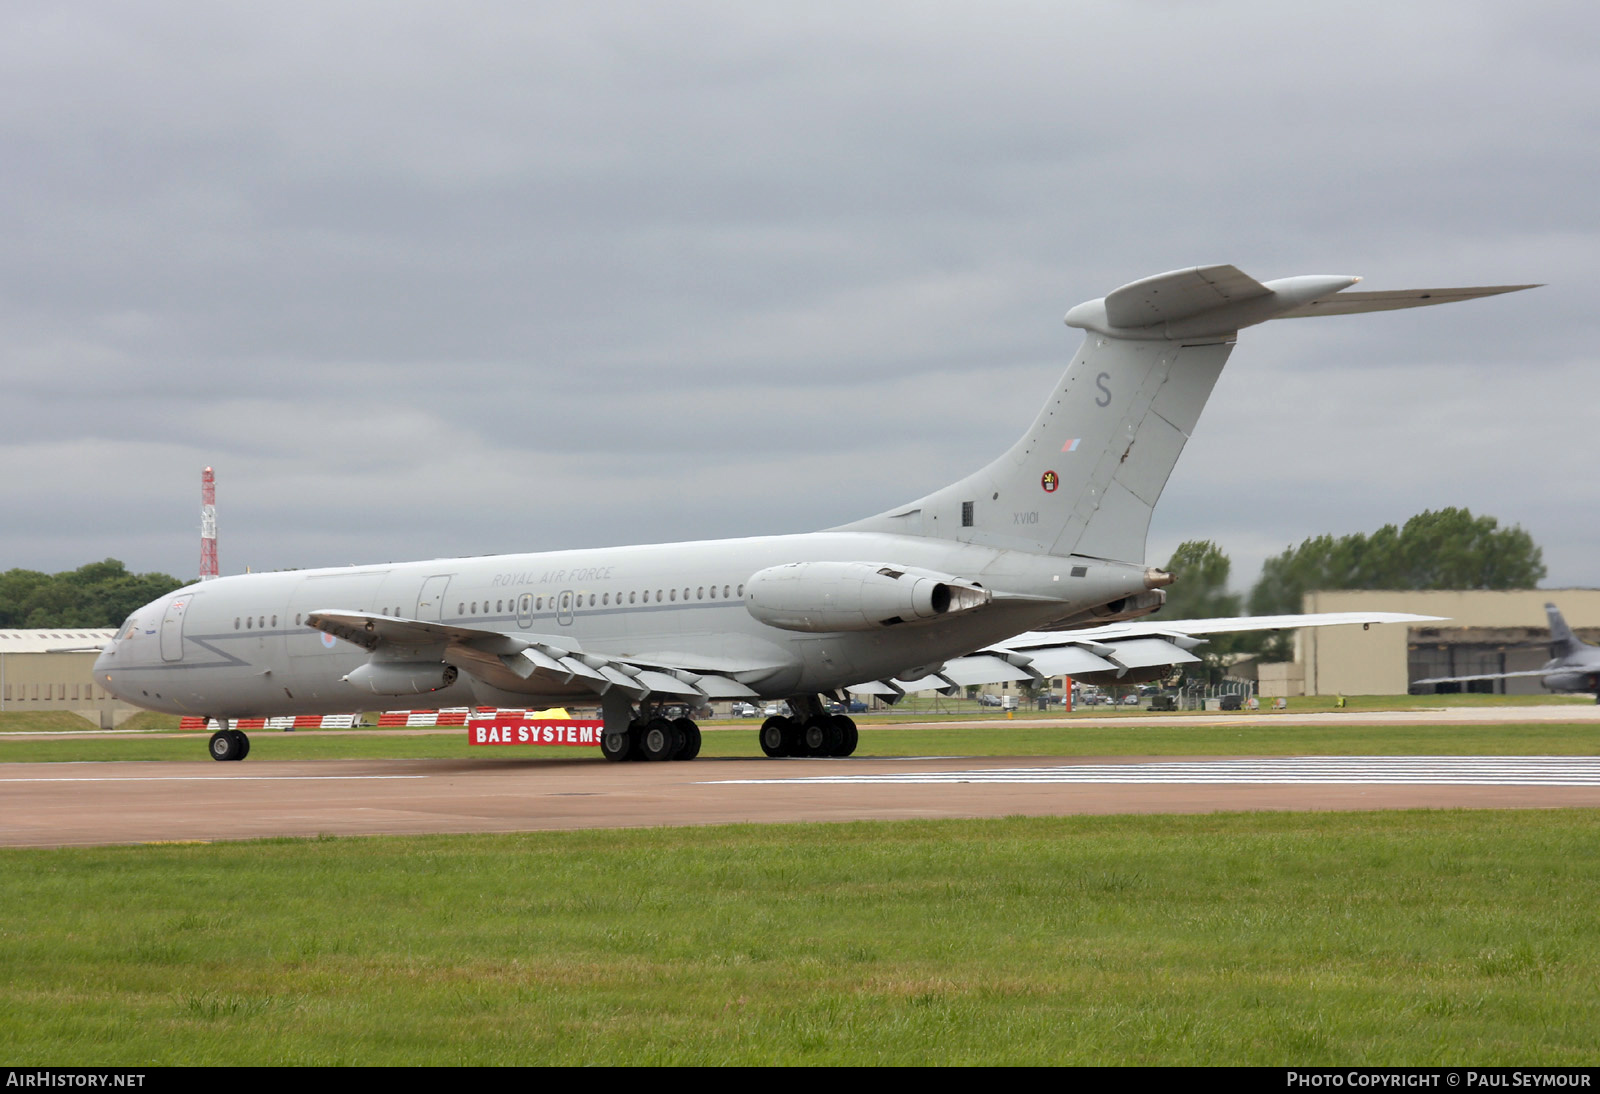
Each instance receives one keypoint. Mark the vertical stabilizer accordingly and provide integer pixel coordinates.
(1563, 643)
(1086, 476)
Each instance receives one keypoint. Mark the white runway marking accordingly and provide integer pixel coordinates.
(1405, 770)
(206, 778)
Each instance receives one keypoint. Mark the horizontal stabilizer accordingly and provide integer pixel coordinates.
(1353, 303)
(1206, 302)
(1181, 294)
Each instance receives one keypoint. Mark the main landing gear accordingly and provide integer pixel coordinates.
(814, 732)
(229, 744)
(647, 736)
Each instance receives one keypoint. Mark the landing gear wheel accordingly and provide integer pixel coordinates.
(849, 737)
(616, 745)
(821, 737)
(774, 737)
(689, 733)
(794, 738)
(661, 739)
(244, 742)
(225, 745)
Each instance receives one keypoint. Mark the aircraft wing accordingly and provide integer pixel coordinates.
(537, 664)
(1483, 676)
(1116, 648)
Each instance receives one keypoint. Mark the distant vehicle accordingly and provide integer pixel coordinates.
(1130, 700)
(1008, 702)
(987, 700)
(743, 710)
(1163, 702)
(1231, 702)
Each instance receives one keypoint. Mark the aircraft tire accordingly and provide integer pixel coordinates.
(690, 735)
(794, 737)
(849, 736)
(660, 739)
(224, 746)
(774, 737)
(823, 737)
(244, 742)
(616, 745)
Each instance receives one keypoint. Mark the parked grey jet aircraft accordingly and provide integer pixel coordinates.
(1574, 665)
(1047, 538)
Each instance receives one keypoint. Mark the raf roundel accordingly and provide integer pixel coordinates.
(328, 640)
(1050, 480)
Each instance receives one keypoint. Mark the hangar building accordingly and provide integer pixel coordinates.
(53, 669)
(1485, 631)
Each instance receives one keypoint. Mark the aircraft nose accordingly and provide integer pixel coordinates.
(103, 666)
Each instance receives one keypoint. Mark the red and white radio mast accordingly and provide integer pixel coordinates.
(208, 525)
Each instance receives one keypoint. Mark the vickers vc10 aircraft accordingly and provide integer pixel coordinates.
(1574, 665)
(1029, 568)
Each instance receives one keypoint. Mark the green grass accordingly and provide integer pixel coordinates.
(1410, 938)
(1247, 735)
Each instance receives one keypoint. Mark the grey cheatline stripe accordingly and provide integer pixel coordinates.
(1401, 770)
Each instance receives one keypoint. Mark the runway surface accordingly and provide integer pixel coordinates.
(51, 804)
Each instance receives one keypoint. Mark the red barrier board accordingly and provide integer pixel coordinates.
(526, 731)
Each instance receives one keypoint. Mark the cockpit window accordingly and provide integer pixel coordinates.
(129, 626)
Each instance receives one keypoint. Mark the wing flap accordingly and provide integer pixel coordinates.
(720, 687)
(1069, 661)
(1146, 653)
(981, 669)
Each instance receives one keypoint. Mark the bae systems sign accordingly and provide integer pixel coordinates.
(523, 731)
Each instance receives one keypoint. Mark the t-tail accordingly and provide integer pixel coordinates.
(1563, 643)
(1086, 476)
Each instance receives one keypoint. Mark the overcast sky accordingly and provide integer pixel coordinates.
(424, 280)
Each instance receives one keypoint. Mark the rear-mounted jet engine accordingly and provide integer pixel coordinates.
(856, 596)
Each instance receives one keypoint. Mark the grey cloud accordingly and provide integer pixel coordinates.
(420, 281)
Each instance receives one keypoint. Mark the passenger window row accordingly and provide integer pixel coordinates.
(600, 600)
(532, 603)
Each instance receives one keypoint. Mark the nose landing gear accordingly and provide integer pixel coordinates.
(229, 744)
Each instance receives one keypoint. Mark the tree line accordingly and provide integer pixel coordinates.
(101, 594)
(1437, 549)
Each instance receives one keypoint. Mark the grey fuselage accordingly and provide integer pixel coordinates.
(239, 647)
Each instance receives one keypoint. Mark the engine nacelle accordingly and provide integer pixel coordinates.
(855, 596)
(402, 677)
(1124, 607)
